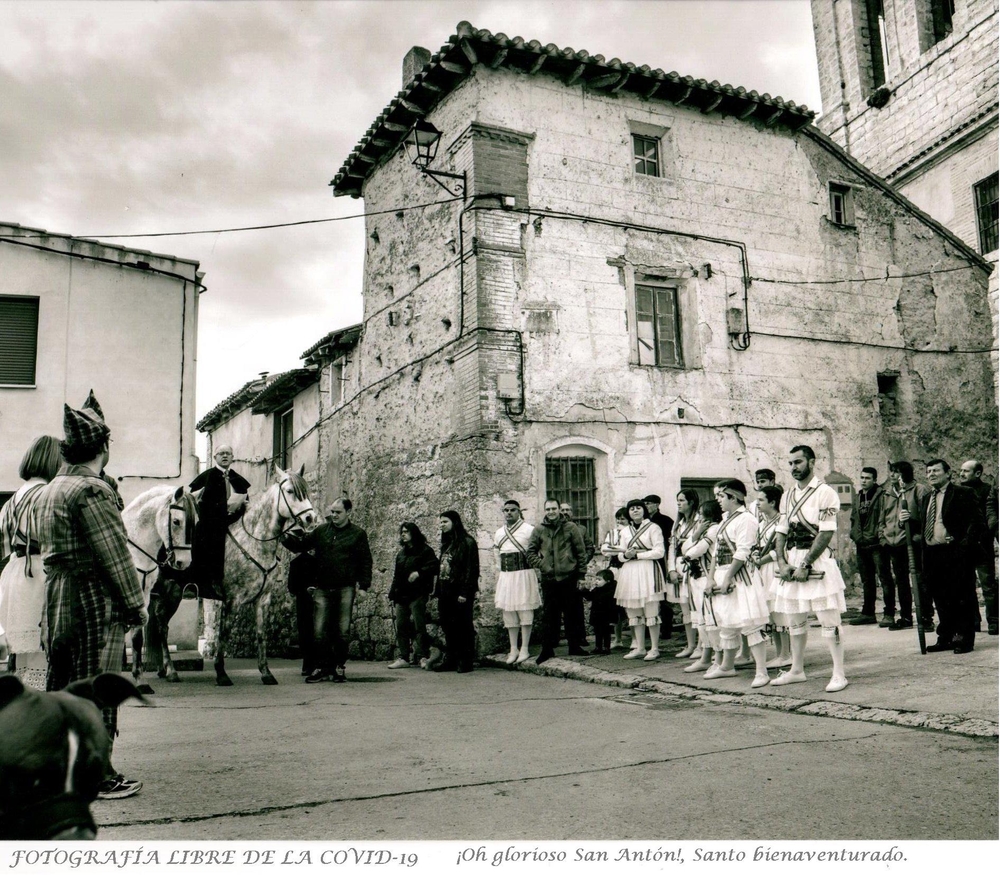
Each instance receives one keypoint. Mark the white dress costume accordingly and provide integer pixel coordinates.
(640, 580)
(744, 609)
(680, 593)
(768, 572)
(517, 585)
(808, 511)
(22, 582)
(698, 552)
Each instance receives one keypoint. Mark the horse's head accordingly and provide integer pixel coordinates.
(175, 524)
(294, 504)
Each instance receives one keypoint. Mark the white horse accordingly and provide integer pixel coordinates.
(251, 557)
(160, 524)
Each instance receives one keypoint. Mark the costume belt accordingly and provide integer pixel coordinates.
(724, 555)
(21, 551)
(799, 537)
(513, 562)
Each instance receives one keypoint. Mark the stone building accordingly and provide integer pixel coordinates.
(77, 314)
(910, 89)
(651, 281)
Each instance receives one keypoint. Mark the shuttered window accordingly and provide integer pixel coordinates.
(570, 480)
(283, 438)
(18, 340)
(986, 212)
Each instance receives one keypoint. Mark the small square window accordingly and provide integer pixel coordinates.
(841, 204)
(986, 212)
(646, 152)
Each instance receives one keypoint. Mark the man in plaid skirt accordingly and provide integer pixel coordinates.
(92, 592)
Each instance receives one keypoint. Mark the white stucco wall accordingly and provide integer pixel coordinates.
(130, 335)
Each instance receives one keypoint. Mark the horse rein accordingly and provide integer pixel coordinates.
(289, 522)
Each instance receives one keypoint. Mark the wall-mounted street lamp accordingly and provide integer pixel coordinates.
(421, 146)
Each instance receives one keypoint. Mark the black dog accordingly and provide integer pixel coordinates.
(53, 755)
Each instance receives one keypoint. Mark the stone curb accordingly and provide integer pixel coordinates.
(956, 724)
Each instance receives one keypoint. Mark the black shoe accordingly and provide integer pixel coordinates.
(464, 669)
(940, 646)
(317, 676)
(447, 665)
(992, 629)
(863, 620)
(903, 623)
(887, 622)
(544, 656)
(979, 626)
(578, 651)
(963, 645)
(339, 675)
(306, 671)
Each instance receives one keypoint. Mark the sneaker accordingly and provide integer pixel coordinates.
(118, 787)
(339, 674)
(399, 663)
(886, 623)
(863, 620)
(318, 676)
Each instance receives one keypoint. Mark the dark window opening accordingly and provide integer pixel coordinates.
(704, 486)
(942, 13)
(646, 152)
(18, 340)
(658, 326)
(570, 479)
(841, 204)
(986, 213)
(878, 46)
(888, 401)
(5, 497)
(283, 438)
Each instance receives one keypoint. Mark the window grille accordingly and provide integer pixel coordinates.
(986, 213)
(570, 480)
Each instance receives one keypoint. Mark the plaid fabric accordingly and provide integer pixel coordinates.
(92, 585)
(91, 404)
(84, 427)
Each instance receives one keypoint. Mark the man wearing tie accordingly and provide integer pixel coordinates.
(222, 503)
(953, 522)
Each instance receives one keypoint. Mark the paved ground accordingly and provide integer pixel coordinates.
(501, 754)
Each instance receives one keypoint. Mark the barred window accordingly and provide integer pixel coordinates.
(658, 328)
(646, 151)
(986, 212)
(570, 480)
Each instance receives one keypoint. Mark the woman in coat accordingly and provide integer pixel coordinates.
(458, 583)
(412, 584)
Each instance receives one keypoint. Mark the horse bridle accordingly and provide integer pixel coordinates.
(169, 546)
(290, 521)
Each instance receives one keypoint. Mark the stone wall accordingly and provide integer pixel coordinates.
(548, 301)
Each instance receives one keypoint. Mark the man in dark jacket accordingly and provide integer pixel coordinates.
(953, 524)
(575, 596)
(557, 552)
(866, 520)
(971, 475)
(342, 565)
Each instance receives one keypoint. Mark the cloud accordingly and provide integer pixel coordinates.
(131, 117)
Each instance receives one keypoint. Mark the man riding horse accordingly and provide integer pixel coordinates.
(222, 503)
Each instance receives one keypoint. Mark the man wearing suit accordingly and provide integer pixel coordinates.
(222, 503)
(953, 523)
(971, 476)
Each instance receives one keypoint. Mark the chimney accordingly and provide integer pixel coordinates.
(414, 62)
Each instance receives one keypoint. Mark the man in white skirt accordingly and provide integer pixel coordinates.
(517, 593)
(810, 578)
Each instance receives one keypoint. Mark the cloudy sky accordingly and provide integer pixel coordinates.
(138, 117)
